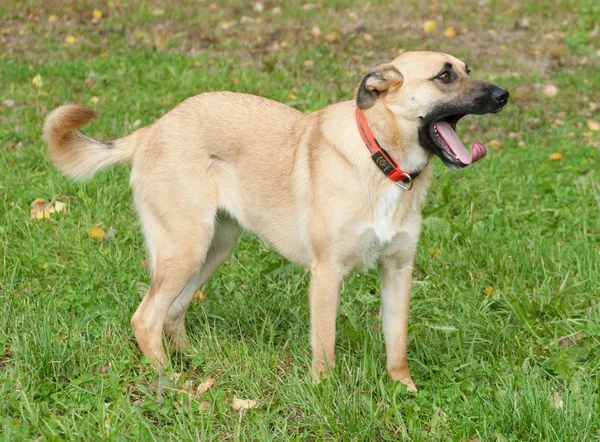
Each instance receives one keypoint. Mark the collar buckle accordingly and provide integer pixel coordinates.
(409, 183)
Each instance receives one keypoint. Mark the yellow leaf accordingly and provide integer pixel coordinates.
(41, 209)
(243, 404)
(488, 290)
(59, 206)
(52, 18)
(96, 232)
(593, 125)
(495, 143)
(503, 47)
(213, 7)
(556, 156)
(332, 36)
(450, 32)
(435, 252)
(70, 40)
(97, 14)
(429, 26)
(37, 81)
(199, 295)
(309, 63)
(292, 96)
(95, 100)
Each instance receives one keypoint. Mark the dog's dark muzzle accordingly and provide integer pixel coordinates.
(490, 99)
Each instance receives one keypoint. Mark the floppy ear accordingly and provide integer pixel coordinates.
(376, 83)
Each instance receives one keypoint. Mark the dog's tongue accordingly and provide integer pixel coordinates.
(459, 150)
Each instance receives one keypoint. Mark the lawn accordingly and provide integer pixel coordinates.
(505, 317)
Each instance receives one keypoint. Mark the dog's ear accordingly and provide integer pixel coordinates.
(376, 83)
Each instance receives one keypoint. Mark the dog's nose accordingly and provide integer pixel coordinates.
(500, 95)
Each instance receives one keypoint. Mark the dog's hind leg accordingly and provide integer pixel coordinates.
(227, 232)
(179, 229)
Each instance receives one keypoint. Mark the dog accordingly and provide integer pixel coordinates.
(334, 190)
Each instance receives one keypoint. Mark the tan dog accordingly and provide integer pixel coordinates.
(305, 184)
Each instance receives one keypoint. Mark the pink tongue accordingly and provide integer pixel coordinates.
(456, 146)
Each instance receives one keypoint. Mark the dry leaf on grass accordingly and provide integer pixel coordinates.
(97, 14)
(37, 81)
(41, 209)
(205, 386)
(450, 32)
(199, 296)
(556, 402)
(96, 232)
(204, 405)
(550, 90)
(593, 125)
(70, 40)
(243, 404)
(556, 156)
(52, 18)
(429, 26)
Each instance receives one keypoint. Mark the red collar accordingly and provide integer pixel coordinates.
(382, 159)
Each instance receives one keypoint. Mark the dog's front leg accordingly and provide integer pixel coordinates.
(325, 282)
(396, 284)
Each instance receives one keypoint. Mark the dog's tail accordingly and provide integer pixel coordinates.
(73, 152)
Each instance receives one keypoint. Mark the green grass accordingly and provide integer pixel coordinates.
(508, 262)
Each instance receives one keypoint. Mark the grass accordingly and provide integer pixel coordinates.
(505, 316)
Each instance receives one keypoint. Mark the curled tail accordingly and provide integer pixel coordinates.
(73, 152)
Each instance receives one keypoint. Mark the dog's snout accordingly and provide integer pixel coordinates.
(500, 95)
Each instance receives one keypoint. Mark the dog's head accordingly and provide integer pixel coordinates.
(431, 91)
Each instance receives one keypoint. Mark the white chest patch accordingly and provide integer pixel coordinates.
(384, 214)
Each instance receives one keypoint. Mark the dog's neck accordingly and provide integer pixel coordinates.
(401, 143)
(399, 139)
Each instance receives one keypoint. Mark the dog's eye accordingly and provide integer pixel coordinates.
(444, 76)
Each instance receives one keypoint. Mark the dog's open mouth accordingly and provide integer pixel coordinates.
(443, 133)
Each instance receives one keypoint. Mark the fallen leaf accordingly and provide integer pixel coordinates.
(368, 37)
(488, 290)
(276, 10)
(316, 31)
(95, 100)
(503, 47)
(550, 90)
(556, 156)
(52, 18)
(204, 405)
(366, 8)
(199, 295)
(97, 14)
(158, 11)
(309, 63)
(9, 102)
(292, 96)
(556, 402)
(429, 26)
(70, 40)
(243, 404)
(37, 81)
(450, 32)
(435, 252)
(495, 143)
(258, 7)
(59, 206)
(593, 125)
(96, 232)
(41, 209)
(205, 386)
(213, 7)
(332, 36)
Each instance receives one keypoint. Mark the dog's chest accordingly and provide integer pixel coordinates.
(384, 215)
(376, 237)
